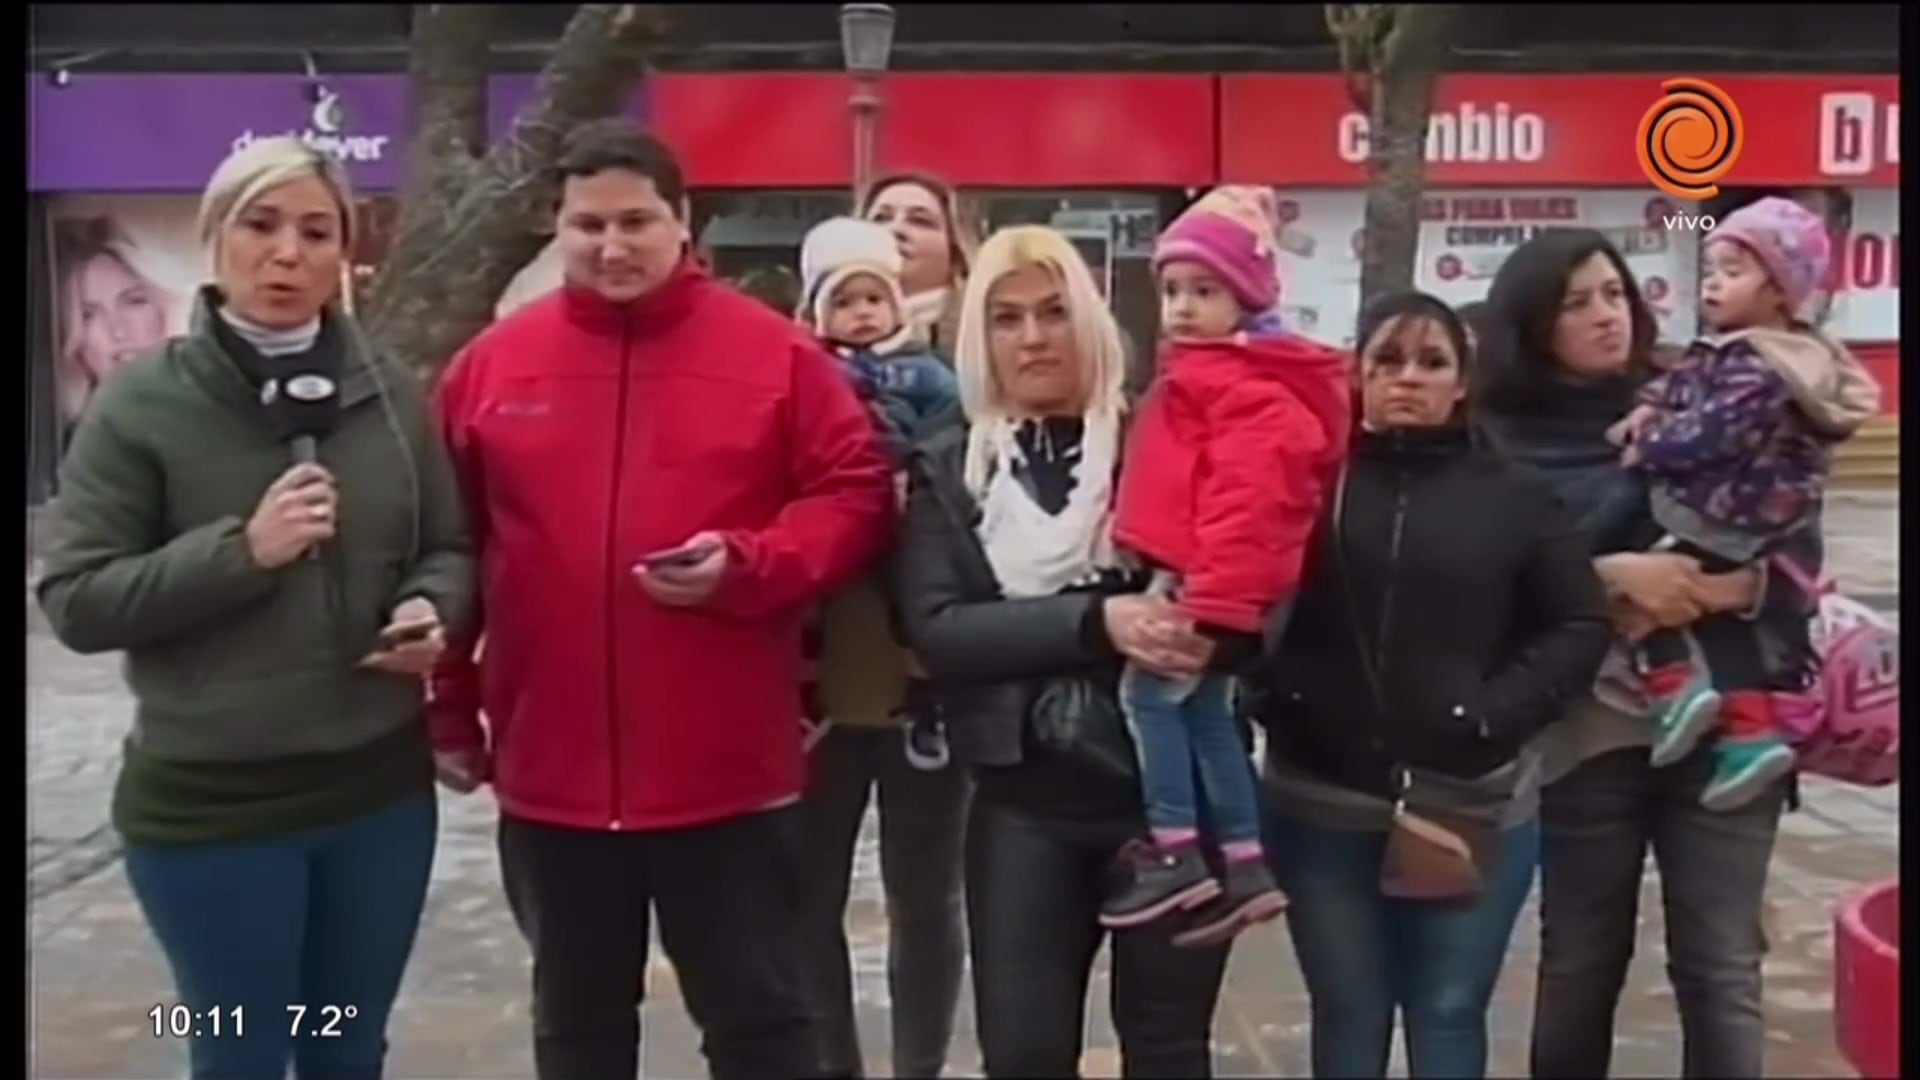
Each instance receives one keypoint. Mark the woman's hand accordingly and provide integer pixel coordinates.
(1627, 431)
(1151, 632)
(1667, 588)
(296, 513)
(412, 641)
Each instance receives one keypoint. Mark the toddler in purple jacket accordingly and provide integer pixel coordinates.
(1735, 444)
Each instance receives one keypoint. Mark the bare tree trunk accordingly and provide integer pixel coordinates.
(472, 217)
(1393, 54)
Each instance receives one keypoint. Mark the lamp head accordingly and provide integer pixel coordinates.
(866, 37)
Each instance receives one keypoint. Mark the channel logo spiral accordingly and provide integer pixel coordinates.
(1690, 138)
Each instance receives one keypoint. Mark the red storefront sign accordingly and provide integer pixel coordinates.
(794, 130)
(1562, 129)
(1029, 130)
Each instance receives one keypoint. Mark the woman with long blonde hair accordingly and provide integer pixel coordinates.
(113, 308)
(1013, 598)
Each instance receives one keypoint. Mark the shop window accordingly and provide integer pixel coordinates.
(739, 232)
(1114, 232)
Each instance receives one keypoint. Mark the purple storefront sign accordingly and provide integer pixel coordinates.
(103, 133)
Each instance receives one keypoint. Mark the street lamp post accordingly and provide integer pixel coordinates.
(866, 40)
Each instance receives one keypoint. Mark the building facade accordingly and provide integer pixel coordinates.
(117, 157)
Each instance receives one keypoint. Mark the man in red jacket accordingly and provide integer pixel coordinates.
(662, 475)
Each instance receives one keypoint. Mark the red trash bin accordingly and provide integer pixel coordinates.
(1866, 980)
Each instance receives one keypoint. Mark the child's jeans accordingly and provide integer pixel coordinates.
(1768, 652)
(1180, 723)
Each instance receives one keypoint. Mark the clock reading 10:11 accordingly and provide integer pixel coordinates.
(181, 1022)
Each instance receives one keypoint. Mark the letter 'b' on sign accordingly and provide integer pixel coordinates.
(1690, 138)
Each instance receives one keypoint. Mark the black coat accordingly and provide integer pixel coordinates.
(1474, 593)
(982, 651)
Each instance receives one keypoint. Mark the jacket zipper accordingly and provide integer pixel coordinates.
(613, 577)
(1393, 577)
(1393, 573)
(1397, 534)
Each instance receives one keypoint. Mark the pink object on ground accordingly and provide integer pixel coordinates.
(1866, 980)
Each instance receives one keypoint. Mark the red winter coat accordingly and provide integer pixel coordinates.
(587, 435)
(1229, 459)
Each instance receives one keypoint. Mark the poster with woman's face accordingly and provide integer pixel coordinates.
(126, 268)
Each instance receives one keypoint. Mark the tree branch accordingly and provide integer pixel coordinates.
(481, 223)
(447, 70)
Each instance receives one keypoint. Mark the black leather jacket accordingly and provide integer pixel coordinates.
(981, 650)
(1464, 583)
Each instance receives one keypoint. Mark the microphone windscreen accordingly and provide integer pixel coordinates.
(301, 403)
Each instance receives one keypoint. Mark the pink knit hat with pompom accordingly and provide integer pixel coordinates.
(1230, 231)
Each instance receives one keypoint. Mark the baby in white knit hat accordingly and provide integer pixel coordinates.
(851, 299)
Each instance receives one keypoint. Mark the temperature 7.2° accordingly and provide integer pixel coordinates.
(327, 1020)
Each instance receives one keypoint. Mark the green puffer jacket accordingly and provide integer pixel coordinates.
(230, 663)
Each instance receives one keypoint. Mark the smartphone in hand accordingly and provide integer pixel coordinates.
(395, 636)
(679, 558)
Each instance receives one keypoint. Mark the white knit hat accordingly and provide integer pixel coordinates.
(838, 248)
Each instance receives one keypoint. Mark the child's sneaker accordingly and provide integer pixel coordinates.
(1750, 757)
(926, 738)
(1155, 880)
(1250, 898)
(1688, 710)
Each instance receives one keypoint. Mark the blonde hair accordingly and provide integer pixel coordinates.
(1096, 340)
(77, 242)
(259, 167)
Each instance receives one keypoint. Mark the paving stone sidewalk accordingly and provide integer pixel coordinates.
(94, 971)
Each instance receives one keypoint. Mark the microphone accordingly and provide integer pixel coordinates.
(303, 405)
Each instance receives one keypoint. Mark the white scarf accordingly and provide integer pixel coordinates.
(1032, 552)
(923, 311)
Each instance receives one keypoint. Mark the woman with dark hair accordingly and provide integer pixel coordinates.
(936, 245)
(1568, 342)
(1447, 614)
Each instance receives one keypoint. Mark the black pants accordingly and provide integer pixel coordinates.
(1597, 824)
(1768, 652)
(922, 817)
(728, 898)
(1034, 888)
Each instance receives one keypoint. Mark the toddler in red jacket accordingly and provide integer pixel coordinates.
(1226, 467)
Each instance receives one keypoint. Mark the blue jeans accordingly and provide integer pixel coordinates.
(316, 918)
(1177, 724)
(1365, 955)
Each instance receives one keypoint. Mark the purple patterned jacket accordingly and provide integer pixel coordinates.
(1741, 444)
